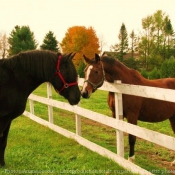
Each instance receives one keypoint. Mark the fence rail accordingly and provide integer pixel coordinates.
(118, 124)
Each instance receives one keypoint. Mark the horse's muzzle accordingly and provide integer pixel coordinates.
(85, 94)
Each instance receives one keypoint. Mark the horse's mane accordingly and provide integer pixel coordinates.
(34, 62)
(109, 60)
(112, 61)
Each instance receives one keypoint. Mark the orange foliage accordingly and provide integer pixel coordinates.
(80, 40)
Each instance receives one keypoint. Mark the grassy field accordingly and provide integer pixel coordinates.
(32, 147)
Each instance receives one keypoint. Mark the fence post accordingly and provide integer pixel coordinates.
(31, 103)
(119, 116)
(78, 120)
(50, 108)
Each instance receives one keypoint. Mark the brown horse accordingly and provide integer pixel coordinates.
(134, 108)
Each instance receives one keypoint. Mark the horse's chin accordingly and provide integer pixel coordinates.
(72, 102)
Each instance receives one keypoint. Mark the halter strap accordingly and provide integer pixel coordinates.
(58, 72)
(95, 86)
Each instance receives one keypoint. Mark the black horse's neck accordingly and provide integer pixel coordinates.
(30, 69)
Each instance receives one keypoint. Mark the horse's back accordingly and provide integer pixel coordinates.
(167, 83)
(152, 110)
(149, 110)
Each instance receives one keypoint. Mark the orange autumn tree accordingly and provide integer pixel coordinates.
(80, 40)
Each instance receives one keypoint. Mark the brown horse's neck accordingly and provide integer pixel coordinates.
(118, 71)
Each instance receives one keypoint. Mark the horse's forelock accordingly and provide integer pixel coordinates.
(67, 59)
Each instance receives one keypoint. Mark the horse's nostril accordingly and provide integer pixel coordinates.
(84, 94)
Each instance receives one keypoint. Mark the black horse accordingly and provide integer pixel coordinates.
(24, 72)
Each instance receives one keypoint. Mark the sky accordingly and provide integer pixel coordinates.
(105, 16)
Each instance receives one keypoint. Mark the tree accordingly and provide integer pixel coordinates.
(146, 39)
(50, 42)
(134, 45)
(3, 45)
(157, 40)
(158, 18)
(151, 41)
(122, 47)
(21, 39)
(143, 50)
(168, 68)
(80, 69)
(80, 40)
(123, 37)
(102, 43)
(167, 38)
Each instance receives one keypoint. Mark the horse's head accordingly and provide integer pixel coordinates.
(65, 79)
(94, 76)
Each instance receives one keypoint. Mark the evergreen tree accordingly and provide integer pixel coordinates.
(123, 37)
(50, 42)
(80, 69)
(21, 39)
(122, 47)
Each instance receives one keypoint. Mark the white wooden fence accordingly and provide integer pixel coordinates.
(118, 124)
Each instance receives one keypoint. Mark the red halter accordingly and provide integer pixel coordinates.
(58, 72)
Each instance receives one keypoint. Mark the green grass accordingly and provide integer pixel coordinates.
(34, 147)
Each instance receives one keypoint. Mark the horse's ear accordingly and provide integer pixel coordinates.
(87, 60)
(97, 58)
(72, 56)
(69, 55)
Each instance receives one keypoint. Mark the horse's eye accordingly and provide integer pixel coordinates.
(96, 72)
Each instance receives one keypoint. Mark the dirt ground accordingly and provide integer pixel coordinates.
(154, 155)
(161, 162)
